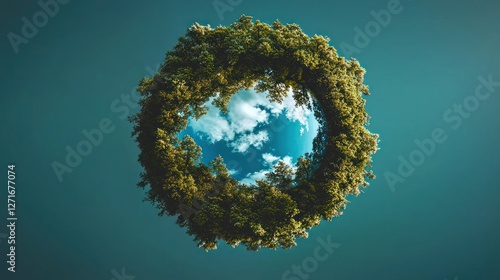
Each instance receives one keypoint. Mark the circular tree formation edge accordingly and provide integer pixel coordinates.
(218, 62)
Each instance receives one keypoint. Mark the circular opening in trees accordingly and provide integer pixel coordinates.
(255, 134)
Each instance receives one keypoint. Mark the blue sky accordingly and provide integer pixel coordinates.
(248, 130)
(440, 222)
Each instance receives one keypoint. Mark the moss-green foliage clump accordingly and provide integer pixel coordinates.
(218, 62)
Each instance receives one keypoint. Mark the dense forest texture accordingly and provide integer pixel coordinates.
(217, 63)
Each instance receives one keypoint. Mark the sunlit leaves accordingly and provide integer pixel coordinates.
(218, 62)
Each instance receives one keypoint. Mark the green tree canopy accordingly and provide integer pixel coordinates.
(218, 62)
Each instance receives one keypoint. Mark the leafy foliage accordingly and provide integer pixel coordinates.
(218, 62)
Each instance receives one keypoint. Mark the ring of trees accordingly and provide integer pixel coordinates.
(219, 62)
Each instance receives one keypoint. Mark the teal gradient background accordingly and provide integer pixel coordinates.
(442, 222)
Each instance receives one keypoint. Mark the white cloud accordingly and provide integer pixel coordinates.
(244, 142)
(294, 113)
(288, 161)
(233, 171)
(213, 125)
(252, 177)
(269, 161)
(245, 115)
(246, 111)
